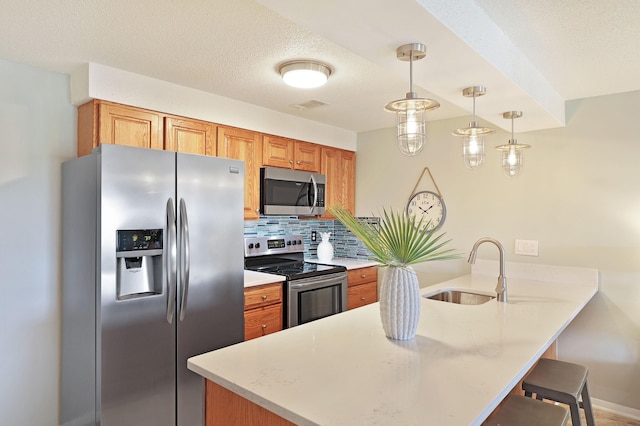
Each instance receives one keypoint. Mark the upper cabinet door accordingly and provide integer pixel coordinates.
(189, 136)
(306, 156)
(339, 167)
(291, 154)
(277, 152)
(129, 126)
(244, 145)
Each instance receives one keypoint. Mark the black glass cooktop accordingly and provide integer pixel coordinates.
(297, 270)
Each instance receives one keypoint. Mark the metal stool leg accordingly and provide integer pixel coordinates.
(586, 405)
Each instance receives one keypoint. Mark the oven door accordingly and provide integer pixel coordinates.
(317, 297)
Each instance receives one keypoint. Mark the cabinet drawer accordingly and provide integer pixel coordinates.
(361, 295)
(263, 295)
(262, 321)
(362, 275)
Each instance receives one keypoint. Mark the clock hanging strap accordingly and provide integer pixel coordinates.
(426, 169)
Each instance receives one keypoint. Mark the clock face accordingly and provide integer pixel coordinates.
(428, 206)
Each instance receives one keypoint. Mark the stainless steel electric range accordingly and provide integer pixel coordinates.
(312, 291)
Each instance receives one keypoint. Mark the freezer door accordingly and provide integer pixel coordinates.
(210, 252)
(135, 341)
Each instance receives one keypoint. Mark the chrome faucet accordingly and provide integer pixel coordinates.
(501, 288)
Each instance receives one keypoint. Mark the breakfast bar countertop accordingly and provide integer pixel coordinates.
(342, 370)
(348, 263)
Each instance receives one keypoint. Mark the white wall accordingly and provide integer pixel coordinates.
(37, 133)
(94, 81)
(578, 195)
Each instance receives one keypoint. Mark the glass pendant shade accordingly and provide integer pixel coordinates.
(473, 151)
(411, 111)
(412, 130)
(511, 161)
(473, 136)
(512, 151)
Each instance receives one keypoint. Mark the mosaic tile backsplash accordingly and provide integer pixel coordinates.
(345, 244)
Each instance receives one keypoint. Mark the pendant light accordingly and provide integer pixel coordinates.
(473, 136)
(512, 151)
(411, 111)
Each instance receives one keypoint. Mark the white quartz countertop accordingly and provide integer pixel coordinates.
(253, 278)
(346, 262)
(342, 370)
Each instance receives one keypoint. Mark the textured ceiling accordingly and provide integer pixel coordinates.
(531, 55)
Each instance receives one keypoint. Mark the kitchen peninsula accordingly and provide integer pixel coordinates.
(342, 370)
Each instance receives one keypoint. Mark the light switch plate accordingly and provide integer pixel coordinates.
(527, 247)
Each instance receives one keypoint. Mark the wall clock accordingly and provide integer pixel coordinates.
(427, 205)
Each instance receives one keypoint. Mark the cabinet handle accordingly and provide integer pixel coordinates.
(264, 298)
(264, 326)
(363, 298)
(363, 276)
(290, 161)
(298, 162)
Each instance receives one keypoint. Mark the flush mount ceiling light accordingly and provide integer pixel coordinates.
(305, 74)
(410, 111)
(512, 151)
(473, 136)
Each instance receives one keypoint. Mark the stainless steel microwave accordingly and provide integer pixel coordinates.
(291, 192)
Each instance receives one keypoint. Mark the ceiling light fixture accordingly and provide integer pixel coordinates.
(305, 74)
(412, 124)
(512, 151)
(473, 136)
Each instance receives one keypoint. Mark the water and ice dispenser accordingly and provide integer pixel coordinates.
(139, 268)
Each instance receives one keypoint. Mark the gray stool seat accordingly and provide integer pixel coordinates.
(562, 382)
(517, 410)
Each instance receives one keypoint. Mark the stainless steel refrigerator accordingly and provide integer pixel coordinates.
(152, 275)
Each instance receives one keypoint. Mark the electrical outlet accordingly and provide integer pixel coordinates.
(314, 236)
(527, 247)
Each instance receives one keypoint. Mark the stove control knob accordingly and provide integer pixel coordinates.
(299, 242)
(257, 245)
(250, 245)
(288, 243)
(295, 242)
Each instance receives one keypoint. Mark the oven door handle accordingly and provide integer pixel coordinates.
(318, 282)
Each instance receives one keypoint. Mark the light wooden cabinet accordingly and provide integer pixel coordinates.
(290, 154)
(244, 145)
(362, 287)
(107, 122)
(339, 166)
(189, 136)
(262, 310)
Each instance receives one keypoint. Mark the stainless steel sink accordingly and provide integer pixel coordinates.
(460, 297)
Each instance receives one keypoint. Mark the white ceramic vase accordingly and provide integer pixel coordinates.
(325, 249)
(400, 303)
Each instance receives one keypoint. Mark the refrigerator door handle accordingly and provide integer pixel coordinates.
(170, 260)
(185, 258)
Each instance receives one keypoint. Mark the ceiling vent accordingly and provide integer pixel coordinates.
(308, 105)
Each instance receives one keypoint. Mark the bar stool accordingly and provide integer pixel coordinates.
(518, 410)
(563, 382)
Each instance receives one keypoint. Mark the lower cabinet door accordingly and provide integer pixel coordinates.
(262, 321)
(363, 294)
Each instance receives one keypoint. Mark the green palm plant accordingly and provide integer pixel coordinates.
(399, 240)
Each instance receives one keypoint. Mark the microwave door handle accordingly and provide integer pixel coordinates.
(315, 193)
